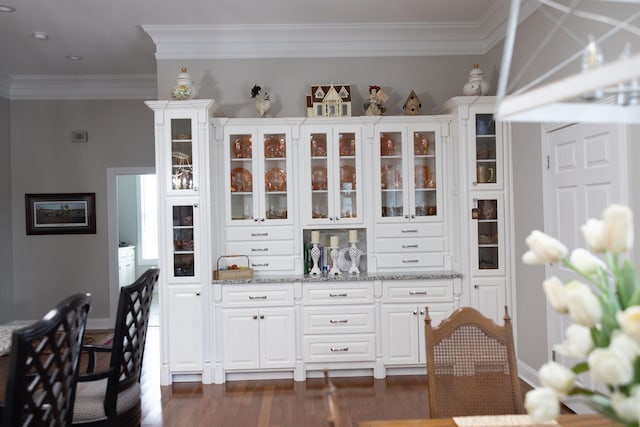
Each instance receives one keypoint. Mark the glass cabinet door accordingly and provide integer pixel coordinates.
(319, 175)
(425, 201)
(276, 204)
(182, 155)
(391, 175)
(241, 182)
(488, 237)
(487, 151)
(348, 187)
(183, 230)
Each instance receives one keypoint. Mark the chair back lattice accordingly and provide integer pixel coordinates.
(43, 366)
(471, 366)
(130, 336)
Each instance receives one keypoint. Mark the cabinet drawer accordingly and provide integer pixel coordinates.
(260, 248)
(342, 293)
(259, 233)
(411, 260)
(410, 230)
(409, 245)
(428, 291)
(340, 348)
(332, 320)
(272, 263)
(256, 295)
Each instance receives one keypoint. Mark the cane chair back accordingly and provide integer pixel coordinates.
(471, 366)
(43, 366)
(112, 397)
(329, 393)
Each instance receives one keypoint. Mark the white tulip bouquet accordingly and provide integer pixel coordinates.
(605, 334)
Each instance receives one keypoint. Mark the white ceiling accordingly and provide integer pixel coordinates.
(109, 34)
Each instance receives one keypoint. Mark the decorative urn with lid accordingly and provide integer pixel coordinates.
(184, 86)
(476, 84)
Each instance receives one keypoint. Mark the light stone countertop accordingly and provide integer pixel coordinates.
(425, 275)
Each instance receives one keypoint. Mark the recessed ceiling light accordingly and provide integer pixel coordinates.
(7, 9)
(39, 35)
(74, 58)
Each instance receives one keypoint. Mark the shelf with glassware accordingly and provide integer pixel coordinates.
(332, 175)
(409, 186)
(182, 154)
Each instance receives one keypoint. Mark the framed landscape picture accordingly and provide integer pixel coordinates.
(61, 213)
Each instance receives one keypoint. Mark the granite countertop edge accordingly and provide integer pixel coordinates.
(427, 275)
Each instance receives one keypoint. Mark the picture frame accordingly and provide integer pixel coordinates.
(60, 213)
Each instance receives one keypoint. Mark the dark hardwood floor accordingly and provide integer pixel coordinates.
(281, 403)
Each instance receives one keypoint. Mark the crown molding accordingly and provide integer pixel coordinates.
(316, 41)
(74, 87)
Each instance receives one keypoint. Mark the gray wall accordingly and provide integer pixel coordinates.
(46, 161)
(6, 252)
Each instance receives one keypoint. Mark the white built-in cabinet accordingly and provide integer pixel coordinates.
(485, 203)
(182, 153)
(426, 194)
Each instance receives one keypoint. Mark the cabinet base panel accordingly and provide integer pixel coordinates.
(242, 376)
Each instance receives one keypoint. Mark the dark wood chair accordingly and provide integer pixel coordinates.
(112, 396)
(471, 366)
(43, 367)
(331, 402)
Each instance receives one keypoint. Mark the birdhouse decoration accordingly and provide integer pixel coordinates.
(184, 86)
(329, 101)
(412, 105)
(262, 102)
(476, 84)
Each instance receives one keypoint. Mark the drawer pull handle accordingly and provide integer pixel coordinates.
(339, 321)
(264, 264)
(417, 292)
(411, 230)
(259, 249)
(334, 349)
(338, 295)
(409, 246)
(265, 234)
(257, 297)
(408, 261)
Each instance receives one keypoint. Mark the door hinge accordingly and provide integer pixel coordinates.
(548, 162)
(553, 355)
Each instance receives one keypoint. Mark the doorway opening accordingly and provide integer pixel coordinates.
(133, 241)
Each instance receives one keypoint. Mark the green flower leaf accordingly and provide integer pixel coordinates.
(627, 285)
(580, 368)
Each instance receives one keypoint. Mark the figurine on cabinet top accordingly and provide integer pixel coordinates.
(377, 98)
(476, 84)
(412, 105)
(332, 100)
(184, 86)
(263, 104)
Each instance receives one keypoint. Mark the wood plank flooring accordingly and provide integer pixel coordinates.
(275, 403)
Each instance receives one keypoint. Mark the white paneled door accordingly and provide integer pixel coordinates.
(586, 172)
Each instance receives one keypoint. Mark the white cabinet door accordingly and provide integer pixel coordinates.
(277, 338)
(185, 245)
(400, 334)
(241, 337)
(487, 235)
(185, 328)
(488, 297)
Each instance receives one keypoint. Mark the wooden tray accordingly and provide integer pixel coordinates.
(244, 272)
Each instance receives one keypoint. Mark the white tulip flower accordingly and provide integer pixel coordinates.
(545, 247)
(578, 342)
(592, 233)
(531, 258)
(583, 305)
(624, 345)
(610, 367)
(542, 404)
(617, 231)
(629, 321)
(556, 294)
(557, 377)
(587, 263)
(627, 408)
